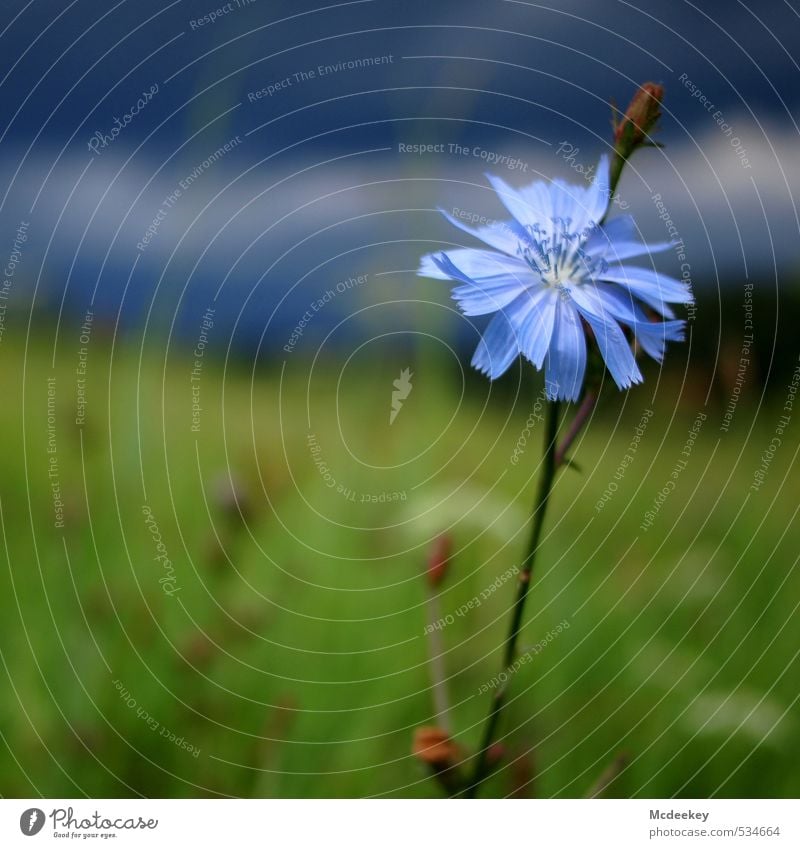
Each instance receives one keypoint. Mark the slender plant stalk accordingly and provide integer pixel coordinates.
(441, 700)
(581, 417)
(523, 585)
(611, 773)
(615, 171)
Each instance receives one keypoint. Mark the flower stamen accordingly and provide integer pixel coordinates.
(558, 256)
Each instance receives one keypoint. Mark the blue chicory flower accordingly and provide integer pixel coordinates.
(553, 272)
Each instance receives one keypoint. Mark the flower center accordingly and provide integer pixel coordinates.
(558, 255)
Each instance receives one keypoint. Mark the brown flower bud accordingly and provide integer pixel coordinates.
(435, 748)
(641, 116)
(438, 559)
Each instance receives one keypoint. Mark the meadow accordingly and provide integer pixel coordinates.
(278, 648)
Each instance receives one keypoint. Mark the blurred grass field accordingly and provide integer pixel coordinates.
(293, 655)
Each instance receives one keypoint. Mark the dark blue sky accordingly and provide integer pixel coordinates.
(315, 190)
(62, 60)
(575, 56)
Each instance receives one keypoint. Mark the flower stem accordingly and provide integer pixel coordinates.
(611, 773)
(581, 416)
(615, 172)
(523, 585)
(441, 700)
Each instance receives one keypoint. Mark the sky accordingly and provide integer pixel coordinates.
(248, 157)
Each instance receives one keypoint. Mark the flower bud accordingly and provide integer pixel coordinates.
(435, 748)
(438, 559)
(640, 118)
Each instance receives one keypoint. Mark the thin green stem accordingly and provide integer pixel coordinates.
(581, 417)
(615, 172)
(523, 586)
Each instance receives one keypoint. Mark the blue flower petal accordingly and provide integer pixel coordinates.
(654, 335)
(500, 234)
(619, 239)
(487, 296)
(475, 264)
(536, 330)
(650, 286)
(598, 195)
(479, 297)
(566, 357)
(497, 348)
(615, 300)
(500, 344)
(614, 346)
(625, 308)
(528, 205)
(621, 305)
(582, 206)
(623, 295)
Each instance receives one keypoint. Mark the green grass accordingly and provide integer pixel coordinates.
(293, 654)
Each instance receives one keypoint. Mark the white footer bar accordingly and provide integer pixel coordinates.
(404, 824)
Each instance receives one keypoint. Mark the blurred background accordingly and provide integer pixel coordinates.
(215, 533)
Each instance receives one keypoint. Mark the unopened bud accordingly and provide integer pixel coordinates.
(435, 748)
(438, 558)
(640, 117)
